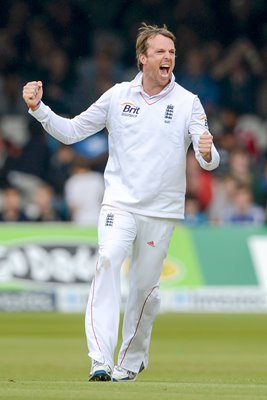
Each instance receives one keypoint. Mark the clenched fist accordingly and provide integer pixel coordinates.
(32, 94)
(204, 145)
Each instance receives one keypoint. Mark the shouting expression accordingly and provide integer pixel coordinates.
(158, 63)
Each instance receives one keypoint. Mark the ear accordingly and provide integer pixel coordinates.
(142, 59)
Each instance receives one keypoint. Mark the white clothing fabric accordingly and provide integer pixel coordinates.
(149, 131)
(84, 194)
(144, 194)
(149, 238)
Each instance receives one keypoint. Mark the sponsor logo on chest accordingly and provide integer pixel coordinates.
(129, 109)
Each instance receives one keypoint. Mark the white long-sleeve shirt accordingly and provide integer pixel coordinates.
(148, 141)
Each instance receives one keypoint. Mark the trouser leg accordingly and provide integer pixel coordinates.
(149, 250)
(116, 232)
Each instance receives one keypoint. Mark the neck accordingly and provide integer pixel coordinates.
(153, 88)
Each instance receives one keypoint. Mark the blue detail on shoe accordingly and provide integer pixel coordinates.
(100, 372)
(100, 375)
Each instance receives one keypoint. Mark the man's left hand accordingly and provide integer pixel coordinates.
(204, 145)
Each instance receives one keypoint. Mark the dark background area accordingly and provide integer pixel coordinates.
(81, 48)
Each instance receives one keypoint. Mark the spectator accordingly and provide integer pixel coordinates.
(224, 188)
(250, 132)
(193, 214)
(26, 167)
(199, 182)
(95, 149)
(69, 26)
(260, 185)
(7, 150)
(98, 73)
(8, 50)
(262, 89)
(240, 166)
(60, 79)
(243, 209)
(44, 206)
(56, 38)
(11, 207)
(194, 13)
(238, 74)
(196, 78)
(10, 98)
(40, 44)
(84, 192)
(224, 123)
(59, 169)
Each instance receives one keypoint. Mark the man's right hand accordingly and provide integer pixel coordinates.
(32, 94)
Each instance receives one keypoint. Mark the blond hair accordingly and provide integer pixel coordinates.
(145, 33)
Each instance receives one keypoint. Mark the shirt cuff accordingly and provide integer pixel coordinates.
(214, 162)
(41, 112)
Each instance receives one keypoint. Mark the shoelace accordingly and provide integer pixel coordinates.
(97, 363)
(130, 374)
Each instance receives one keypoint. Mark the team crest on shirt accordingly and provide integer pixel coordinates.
(109, 219)
(168, 113)
(130, 109)
(205, 120)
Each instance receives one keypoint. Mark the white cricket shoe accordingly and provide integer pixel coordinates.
(122, 374)
(100, 372)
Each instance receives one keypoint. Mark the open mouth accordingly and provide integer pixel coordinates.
(164, 69)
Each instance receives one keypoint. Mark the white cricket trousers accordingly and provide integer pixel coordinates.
(148, 238)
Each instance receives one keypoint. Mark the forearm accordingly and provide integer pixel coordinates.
(65, 130)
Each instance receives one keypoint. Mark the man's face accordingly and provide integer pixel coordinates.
(159, 61)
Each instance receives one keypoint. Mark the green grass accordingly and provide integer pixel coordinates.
(192, 357)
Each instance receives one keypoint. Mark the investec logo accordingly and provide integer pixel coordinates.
(130, 109)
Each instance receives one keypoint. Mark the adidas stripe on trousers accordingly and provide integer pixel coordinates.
(148, 238)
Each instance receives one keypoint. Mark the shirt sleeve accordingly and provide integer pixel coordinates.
(197, 126)
(73, 130)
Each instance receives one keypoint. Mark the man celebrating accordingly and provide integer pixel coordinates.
(151, 122)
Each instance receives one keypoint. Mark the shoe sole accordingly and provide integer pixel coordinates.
(100, 376)
(123, 380)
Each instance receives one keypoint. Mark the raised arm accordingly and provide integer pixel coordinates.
(66, 130)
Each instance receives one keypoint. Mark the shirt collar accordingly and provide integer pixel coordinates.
(136, 85)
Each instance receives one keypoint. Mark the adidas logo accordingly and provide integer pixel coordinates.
(152, 243)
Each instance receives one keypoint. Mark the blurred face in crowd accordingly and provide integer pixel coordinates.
(242, 199)
(43, 197)
(11, 200)
(229, 186)
(158, 63)
(240, 162)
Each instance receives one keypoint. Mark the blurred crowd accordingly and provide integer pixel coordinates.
(81, 48)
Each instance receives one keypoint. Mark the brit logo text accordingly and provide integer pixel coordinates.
(130, 109)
